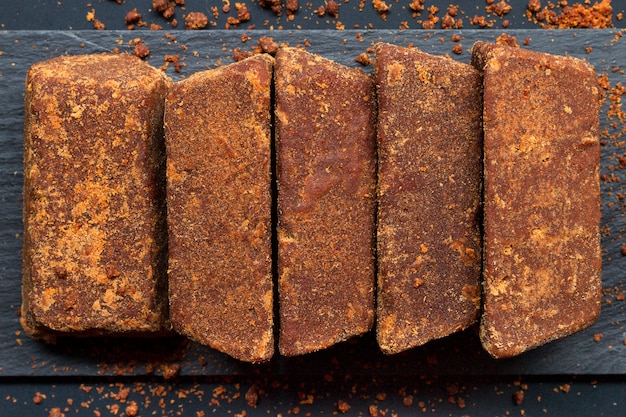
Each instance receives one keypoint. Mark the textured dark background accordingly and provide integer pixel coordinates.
(356, 372)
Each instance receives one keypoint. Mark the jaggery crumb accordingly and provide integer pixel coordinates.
(432, 12)
(132, 410)
(239, 55)
(56, 412)
(460, 402)
(534, 5)
(170, 371)
(481, 21)
(518, 397)
(381, 7)
(417, 6)
(160, 5)
(343, 406)
(196, 20)
(332, 8)
(275, 5)
(508, 40)
(98, 25)
(243, 14)
(38, 398)
(141, 50)
(268, 45)
(132, 17)
(364, 59)
(452, 390)
(252, 396)
(499, 9)
(449, 22)
(265, 45)
(174, 59)
(165, 7)
(292, 6)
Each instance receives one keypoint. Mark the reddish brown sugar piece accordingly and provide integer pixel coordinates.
(429, 192)
(217, 126)
(94, 258)
(325, 141)
(542, 260)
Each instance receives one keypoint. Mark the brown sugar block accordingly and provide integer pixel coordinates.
(542, 261)
(429, 192)
(217, 126)
(325, 140)
(94, 258)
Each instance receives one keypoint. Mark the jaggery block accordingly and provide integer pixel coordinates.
(542, 261)
(94, 258)
(217, 126)
(325, 141)
(429, 193)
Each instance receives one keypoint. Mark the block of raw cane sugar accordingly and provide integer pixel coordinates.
(429, 193)
(542, 261)
(325, 141)
(217, 126)
(94, 258)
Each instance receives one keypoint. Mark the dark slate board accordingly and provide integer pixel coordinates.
(459, 354)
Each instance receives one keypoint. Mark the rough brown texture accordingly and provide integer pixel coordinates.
(577, 15)
(94, 208)
(325, 139)
(217, 125)
(542, 261)
(429, 191)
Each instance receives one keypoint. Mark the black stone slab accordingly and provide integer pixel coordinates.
(459, 354)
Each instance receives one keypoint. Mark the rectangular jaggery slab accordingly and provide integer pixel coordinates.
(542, 260)
(325, 141)
(217, 125)
(94, 258)
(429, 193)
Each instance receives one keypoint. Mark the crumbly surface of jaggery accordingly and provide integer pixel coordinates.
(94, 257)
(325, 141)
(217, 125)
(542, 260)
(429, 192)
